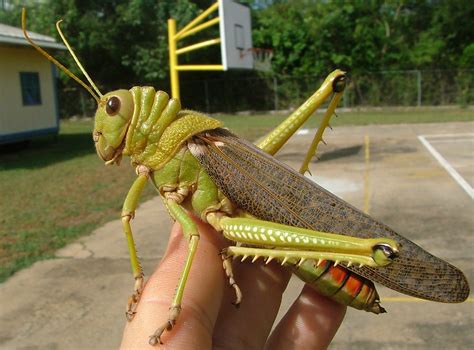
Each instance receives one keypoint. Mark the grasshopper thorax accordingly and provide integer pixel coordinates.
(112, 119)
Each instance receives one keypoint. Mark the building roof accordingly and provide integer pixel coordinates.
(14, 36)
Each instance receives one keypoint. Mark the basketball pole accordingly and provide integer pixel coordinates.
(173, 58)
(191, 28)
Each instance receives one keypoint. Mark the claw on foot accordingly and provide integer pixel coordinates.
(155, 338)
(238, 294)
(129, 315)
(134, 299)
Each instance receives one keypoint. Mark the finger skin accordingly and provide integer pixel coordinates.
(310, 323)
(201, 300)
(248, 327)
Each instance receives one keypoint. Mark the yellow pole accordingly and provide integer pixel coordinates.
(173, 38)
(198, 46)
(201, 67)
(197, 28)
(199, 18)
(173, 58)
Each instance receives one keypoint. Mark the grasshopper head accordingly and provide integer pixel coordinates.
(115, 109)
(112, 118)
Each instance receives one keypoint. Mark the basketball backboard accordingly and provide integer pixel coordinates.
(236, 35)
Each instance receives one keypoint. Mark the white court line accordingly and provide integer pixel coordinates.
(302, 132)
(451, 141)
(445, 164)
(449, 135)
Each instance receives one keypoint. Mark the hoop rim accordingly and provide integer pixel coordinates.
(262, 58)
(256, 50)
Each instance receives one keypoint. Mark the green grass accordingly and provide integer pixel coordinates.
(55, 191)
(256, 125)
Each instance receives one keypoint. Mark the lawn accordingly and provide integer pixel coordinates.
(55, 191)
(253, 126)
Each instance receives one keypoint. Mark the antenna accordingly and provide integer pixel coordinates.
(52, 59)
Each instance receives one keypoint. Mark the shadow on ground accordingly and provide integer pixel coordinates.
(45, 151)
(326, 156)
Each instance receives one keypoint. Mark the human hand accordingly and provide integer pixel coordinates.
(209, 320)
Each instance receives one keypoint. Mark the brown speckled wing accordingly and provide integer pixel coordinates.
(272, 191)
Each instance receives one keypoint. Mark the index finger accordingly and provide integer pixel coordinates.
(201, 300)
(310, 323)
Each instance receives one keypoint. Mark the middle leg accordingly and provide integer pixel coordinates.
(191, 232)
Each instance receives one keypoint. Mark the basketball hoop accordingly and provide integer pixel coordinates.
(262, 58)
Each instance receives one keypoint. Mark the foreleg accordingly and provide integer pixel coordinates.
(128, 213)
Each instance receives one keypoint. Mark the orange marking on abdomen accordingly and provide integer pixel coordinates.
(338, 274)
(353, 284)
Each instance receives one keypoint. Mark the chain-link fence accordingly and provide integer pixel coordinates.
(371, 89)
(76, 102)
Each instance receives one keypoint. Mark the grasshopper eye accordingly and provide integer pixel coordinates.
(112, 106)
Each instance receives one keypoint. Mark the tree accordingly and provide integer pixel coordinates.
(119, 42)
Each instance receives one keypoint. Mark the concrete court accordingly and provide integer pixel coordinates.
(77, 300)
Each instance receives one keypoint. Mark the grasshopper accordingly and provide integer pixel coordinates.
(271, 211)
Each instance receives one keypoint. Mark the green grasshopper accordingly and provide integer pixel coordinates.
(270, 210)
